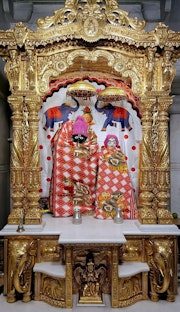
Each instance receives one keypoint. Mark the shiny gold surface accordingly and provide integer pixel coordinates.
(81, 89)
(162, 263)
(112, 94)
(21, 258)
(91, 270)
(50, 289)
(132, 289)
(101, 39)
(133, 250)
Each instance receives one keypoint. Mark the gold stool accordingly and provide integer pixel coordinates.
(133, 282)
(50, 283)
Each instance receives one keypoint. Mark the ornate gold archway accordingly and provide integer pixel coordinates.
(93, 37)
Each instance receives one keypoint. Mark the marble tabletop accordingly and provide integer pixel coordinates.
(91, 230)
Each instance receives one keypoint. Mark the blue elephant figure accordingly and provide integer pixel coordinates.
(58, 114)
(114, 114)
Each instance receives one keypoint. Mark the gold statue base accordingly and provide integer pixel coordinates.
(90, 300)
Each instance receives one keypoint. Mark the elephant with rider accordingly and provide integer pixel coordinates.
(59, 114)
(114, 114)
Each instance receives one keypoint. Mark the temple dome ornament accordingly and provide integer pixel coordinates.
(112, 94)
(81, 89)
(96, 12)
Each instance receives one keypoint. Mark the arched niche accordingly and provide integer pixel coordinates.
(96, 40)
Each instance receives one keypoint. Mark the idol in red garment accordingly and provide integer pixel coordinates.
(114, 189)
(75, 160)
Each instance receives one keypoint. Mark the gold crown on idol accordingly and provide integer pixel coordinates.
(112, 94)
(81, 89)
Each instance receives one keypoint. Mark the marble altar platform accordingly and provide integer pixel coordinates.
(91, 230)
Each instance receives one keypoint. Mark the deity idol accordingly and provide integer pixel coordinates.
(114, 188)
(75, 160)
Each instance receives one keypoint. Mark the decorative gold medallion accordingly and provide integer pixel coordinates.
(91, 28)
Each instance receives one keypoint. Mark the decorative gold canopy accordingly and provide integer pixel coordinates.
(112, 94)
(81, 89)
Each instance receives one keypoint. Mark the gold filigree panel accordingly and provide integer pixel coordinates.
(49, 249)
(133, 250)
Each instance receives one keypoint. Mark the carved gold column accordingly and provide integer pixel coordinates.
(154, 171)
(163, 169)
(68, 256)
(166, 76)
(32, 161)
(17, 160)
(147, 213)
(114, 281)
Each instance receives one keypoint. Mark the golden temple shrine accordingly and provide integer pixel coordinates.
(90, 92)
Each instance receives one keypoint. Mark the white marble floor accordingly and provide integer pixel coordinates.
(143, 306)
